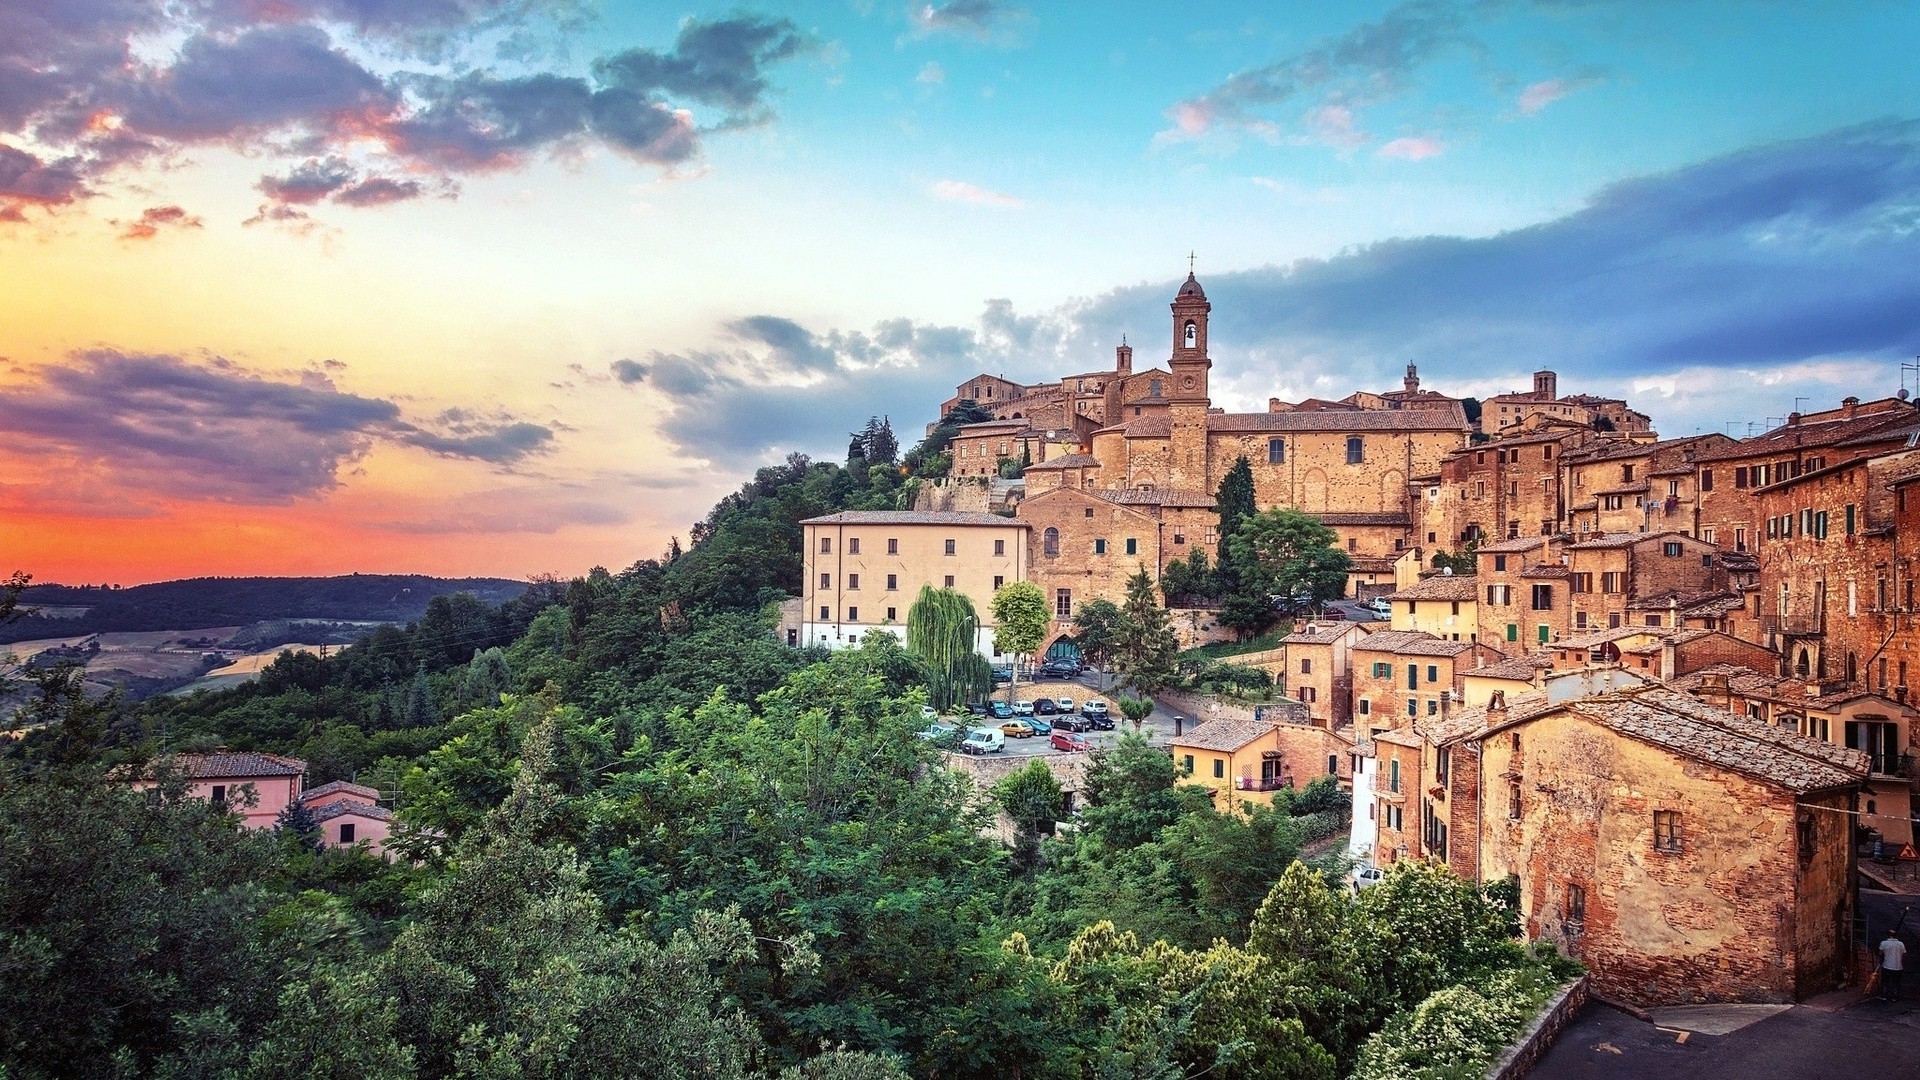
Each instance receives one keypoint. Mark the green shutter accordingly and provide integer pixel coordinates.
(1513, 631)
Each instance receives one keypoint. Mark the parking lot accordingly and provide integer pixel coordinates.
(1157, 728)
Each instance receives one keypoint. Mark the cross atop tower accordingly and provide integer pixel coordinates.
(1189, 262)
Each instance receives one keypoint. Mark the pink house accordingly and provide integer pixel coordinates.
(255, 786)
(349, 814)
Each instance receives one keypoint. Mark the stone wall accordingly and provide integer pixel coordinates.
(1520, 1058)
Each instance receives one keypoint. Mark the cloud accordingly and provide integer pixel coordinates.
(1412, 148)
(1367, 63)
(931, 74)
(155, 218)
(160, 425)
(85, 95)
(980, 20)
(1538, 96)
(961, 191)
(513, 510)
(629, 371)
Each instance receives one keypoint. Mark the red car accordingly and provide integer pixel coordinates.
(1065, 741)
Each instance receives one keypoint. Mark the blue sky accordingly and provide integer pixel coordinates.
(552, 275)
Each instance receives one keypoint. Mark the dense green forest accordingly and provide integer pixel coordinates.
(196, 603)
(645, 838)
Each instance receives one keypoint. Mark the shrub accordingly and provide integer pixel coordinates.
(1458, 1031)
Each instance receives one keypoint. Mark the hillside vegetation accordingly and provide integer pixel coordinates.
(197, 603)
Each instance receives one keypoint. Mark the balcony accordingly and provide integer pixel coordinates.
(1262, 783)
(1890, 764)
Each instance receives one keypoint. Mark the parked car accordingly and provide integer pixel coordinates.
(1002, 675)
(1039, 726)
(977, 708)
(983, 741)
(1073, 723)
(1070, 743)
(1044, 707)
(1017, 729)
(1000, 710)
(942, 734)
(1023, 708)
(1095, 707)
(928, 713)
(1381, 606)
(1366, 876)
(1064, 704)
(1060, 669)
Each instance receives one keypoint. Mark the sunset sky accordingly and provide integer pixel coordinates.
(509, 287)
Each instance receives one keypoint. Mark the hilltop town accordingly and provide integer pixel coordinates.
(1660, 684)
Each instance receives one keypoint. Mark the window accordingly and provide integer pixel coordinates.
(346, 832)
(1666, 831)
(1456, 607)
(825, 613)
(1306, 666)
(998, 581)
(826, 545)
(1333, 764)
(826, 581)
(1545, 633)
(1413, 707)
(1050, 540)
(1089, 511)
(1133, 546)
(1850, 519)
(1433, 706)
(1612, 502)
(1382, 671)
(1100, 546)
(853, 614)
(1219, 768)
(1613, 582)
(1576, 904)
(1500, 563)
(1308, 694)
(1580, 620)
(1062, 603)
(893, 582)
(1499, 594)
(1543, 598)
(1193, 334)
(1433, 673)
(893, 547)
(1513, 631)
(1413, 676)
(893, 615)
(1671, 549)
(1276, 451)
(1626, 473)
(1366, 708)
(1353, 543)
(1187, 760)
(949, 581)
(1513, 800)
(999, 547)
(853, 582)
(1393, 775)
(219, 794)
(1354, 448)
(1654, 620)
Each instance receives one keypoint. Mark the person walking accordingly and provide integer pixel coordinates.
(1893, 961)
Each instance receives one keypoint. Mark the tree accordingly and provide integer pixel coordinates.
(419, 711)
(1236, 502)
(1136, 710)
(1096, 629)
(943, 633)
(1146, 647)
(296, 824)
(1463, 563)
(1295, 552)
(1020, 623)
(10, 590)
(1031, 798)
(487, 677)
(1188, 580)
(882, 447)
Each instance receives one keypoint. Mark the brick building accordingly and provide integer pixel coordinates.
(1622, 487)
(1525, 595)
(1400, 675)
(864, 568)
(1444, 605)
(1508, 488)
(1086, 543)
(1683, 853)
(1396, 779)
(1639, 578)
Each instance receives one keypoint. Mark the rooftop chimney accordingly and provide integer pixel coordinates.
(1849, 406)
(1793, 419)
(1714, 691)
(1497, 708)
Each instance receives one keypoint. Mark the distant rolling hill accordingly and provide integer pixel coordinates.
(208, 602)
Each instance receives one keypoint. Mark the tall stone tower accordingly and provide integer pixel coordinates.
(1187, 404)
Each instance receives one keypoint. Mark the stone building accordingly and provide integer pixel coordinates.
(1526, 598)
(1503, 412)
(1247, 760)
(1400, 675)
(865, 568)
(1443, 605)
(1085, 544)
(1317, 664)
(1682, 852)
(1396, 780)
(1086, 400)
(1504, 489)
(978, 448)
(1617, 486)
(1640, 578)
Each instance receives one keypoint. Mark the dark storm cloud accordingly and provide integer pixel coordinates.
(218, 432)
(265, 77)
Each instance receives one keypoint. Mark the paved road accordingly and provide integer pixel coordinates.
(1872, 1040)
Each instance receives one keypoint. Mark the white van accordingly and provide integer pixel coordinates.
(983, 741)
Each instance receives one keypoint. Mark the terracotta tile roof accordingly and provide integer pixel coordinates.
(1155, 426)
(1814, 432)
(1389, 518)
(1629, 489)
(1621, 540)
(913, 517)
(1320, 633)
(1400, 737)
(1157, 497)
(1595, 638)
(982, 427)
(1546, 570)
(1372, 564)
(350, 806)
(1740, 560)
(226, 764)
(1717, 607)
(1441, 587)
(1521, 668)
(1223, 735)
(1411, 643)
(367, 794)
(1071, 461)
(1507, 547)
(1693, 729)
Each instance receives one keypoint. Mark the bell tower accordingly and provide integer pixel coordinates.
(1188, 466)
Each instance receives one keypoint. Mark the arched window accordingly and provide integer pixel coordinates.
(1800, 664)
(1193, 334)
(1050, 541)
(1153, 388)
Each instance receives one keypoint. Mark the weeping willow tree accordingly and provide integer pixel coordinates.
(942, 629)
